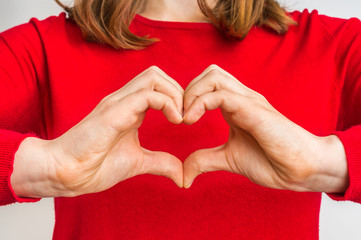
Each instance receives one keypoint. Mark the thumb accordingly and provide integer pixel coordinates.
(204, 160)
(163, 164)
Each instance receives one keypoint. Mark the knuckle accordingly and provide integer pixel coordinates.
(142, 93)
(150, 75)
(139, 96)
(105, 105)
(214, 72)
(150, 79)
(214, 67)
(214, 75)
(153, 72)
(107, 100)
(167, 104)
(153, 68)
(223, 94)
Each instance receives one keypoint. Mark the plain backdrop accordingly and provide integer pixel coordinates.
(338, 220)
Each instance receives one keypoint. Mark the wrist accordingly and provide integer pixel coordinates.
(31, 175)
(331, 171)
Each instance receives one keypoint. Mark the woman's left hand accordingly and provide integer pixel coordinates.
(263, 145)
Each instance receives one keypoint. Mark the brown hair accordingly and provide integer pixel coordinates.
(107, 21)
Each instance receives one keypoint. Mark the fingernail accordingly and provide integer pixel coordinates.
(189, 184)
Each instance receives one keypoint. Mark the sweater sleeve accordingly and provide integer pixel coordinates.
(346, 35)
(21, 115)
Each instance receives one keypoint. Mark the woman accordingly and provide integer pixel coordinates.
(269, 97)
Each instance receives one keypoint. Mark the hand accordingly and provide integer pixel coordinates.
(103, 148)
(263, 145)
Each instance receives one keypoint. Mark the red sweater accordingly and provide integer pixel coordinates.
(51, 78)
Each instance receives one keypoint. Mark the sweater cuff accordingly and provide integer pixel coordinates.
(9, 144)
(351, 140)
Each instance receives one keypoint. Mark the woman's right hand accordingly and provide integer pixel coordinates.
(103, 148)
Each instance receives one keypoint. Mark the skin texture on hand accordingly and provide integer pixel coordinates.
(263, 145)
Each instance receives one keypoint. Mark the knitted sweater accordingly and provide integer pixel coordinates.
(51, 78)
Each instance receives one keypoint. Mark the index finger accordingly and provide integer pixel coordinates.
(212, 79)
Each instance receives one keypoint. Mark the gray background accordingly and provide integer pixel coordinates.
(339, 220)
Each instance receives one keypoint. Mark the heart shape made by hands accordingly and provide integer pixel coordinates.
(263, 145)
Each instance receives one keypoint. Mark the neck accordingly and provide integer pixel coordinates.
(173, 10)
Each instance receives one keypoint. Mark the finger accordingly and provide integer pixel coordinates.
(212, 79)
(163, 83)
(126, 112)
(166, 76)
(169, 90)
(226, 100)
(163, 164)
(156, 101)
(196, 79)
(155, 79)
(202, 161)
(210, 68)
